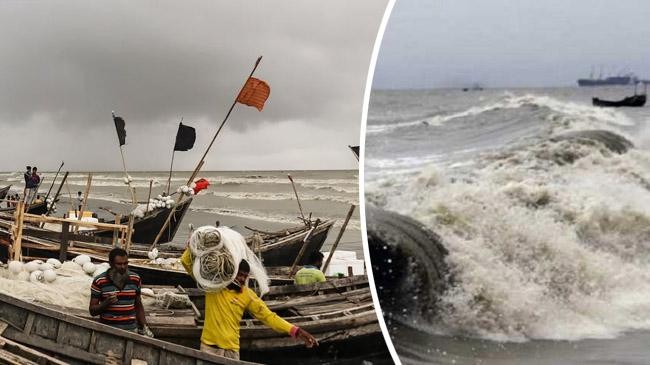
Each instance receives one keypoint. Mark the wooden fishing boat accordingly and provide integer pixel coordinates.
(291, 296)
(4, 191)
(289, 246)
(38, 209)
(281, 249)
(146, 229)
(77, 339)
(630, 101)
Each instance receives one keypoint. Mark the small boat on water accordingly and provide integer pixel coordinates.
(630, 101)
(79, 340)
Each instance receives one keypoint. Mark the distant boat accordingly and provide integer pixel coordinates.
(630, 101)
(475, 87)
(621, 79)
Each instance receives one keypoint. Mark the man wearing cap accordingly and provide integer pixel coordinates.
(225, 308)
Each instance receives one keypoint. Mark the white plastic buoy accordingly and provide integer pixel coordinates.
(32, 266)
(101, 268)
(54, 262)
(36, 276)
(49, 275)
(15, 266)
(148, 292)
(46, 266)
(89, 268)
(153, 254)
(81, 259)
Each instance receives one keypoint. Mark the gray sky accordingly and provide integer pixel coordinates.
(511, 43)
(64, 65)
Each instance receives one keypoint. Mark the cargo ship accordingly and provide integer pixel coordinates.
(626, 79)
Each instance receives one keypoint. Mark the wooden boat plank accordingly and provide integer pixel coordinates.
(14, 353)
(17, 314)
(288, 342)
(7, 357)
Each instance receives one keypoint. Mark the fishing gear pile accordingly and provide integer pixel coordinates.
(217, 253)
(159, 202)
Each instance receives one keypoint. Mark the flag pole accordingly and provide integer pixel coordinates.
(202, 160)
(169, 180)
(126, 174)
(196, 171)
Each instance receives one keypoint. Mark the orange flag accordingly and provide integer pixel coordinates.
(254, 93)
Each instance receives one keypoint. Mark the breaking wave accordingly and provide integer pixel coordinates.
(548, 238)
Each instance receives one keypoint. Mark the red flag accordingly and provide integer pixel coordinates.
(200, 184)
(254, 93)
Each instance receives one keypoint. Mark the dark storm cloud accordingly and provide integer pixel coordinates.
(67, 64)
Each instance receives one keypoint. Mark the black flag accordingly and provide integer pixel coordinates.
(121, 132)
(185, 138)
(355, 150)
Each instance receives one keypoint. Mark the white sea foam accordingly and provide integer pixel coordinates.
(283, 196)
(269, 217)
(538, 249)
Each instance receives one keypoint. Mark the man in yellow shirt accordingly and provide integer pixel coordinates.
(310, 273)
(225, 308)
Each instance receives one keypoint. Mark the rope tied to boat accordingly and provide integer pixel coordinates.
(217, 253)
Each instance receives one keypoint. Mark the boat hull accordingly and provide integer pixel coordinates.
(77, 339)
(146, 229)
(630, 101)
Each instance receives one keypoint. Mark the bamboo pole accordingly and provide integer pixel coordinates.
(56, 196)
(171, 167)
(149, 197)
(72, 205)
(18, 231)
(305, 243)
(338, 238)
(118, 220)
(129, 233)
(85, 201)
(126, 174)
(202, 160)
(53, 181)
(297, 198)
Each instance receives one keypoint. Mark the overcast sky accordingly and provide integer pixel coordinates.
(511, 43)
(65, 65)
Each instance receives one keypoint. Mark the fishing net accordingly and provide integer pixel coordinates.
(171, 300)
(217, 253)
